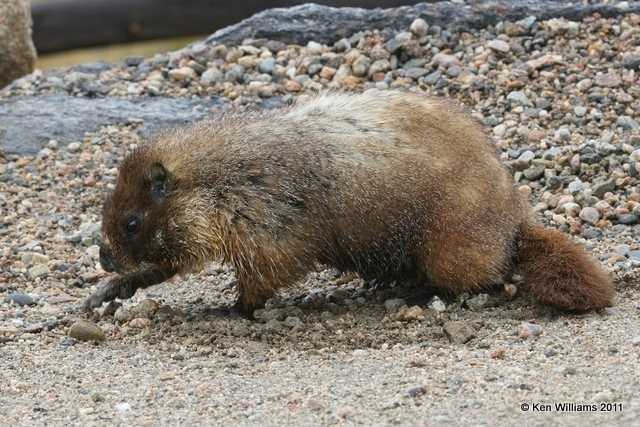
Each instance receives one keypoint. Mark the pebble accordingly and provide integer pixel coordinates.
(38, 270)
(419, 27)
(122, 315)
(266, 65)
(146, 308)
(590, 215)
(528, 330)
(83, 330)
(478, 302)
(608, 80)
(31, 258)
(499, 46)
(21, 299)
(627, 123)
(212, 76)
(122, 407)
(409, 314)
(416, 391)
(393, 305)
(458, 331)
(182, 74)
(437, 305)
(139, 323)
(519, 97)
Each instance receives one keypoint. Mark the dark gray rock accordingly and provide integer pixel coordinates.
(324, 24)
(28, 123)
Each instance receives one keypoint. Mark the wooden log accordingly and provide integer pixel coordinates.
(67, 24)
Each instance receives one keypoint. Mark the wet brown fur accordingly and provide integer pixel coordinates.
(386, 184)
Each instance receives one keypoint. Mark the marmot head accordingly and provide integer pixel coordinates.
(149, 219)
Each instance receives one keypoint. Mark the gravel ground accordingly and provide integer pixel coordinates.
(561, 100)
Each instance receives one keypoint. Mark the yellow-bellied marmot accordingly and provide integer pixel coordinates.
(386, 184)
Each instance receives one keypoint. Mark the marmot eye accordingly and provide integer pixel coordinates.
(132, 226)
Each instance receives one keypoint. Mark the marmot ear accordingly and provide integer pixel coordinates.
(160, 182)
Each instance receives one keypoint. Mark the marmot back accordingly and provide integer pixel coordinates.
(390, 185)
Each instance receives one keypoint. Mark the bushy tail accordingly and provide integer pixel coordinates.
(561, 273)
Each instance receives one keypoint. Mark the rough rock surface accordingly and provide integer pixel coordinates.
(29, 122)
(325, 24)
(17, 53)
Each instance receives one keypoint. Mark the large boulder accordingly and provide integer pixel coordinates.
(17, 53)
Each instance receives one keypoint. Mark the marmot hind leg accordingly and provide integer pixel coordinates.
(458, 263)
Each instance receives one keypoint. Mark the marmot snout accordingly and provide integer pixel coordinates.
(385, 184)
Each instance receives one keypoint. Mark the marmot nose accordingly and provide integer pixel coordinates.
(106, 259)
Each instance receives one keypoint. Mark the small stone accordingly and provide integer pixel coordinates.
(529, 330)
(86, 331)
(212, 76)
(39, 270)
(534, 173)
(393, 305)
(32, 258)
(608, 80)
(417, 391)
(631, 60)
(544, 61)
(122, 315)
(499, 46)
(590, 215)
(415, 72)
(433, 78)
(576, 186)
(314, 47)
(74, 147)
(584, 85)
(549, 352)
(133, 61)
(524, 160)
(360, 66)
(454, 71)
(342, 45)
(600, 188)
(273, 325)
(292, 86)
(409, 314)
(110, 309)
(146, 309)
(419, 27)
(327, 72)
(478, 302)
(437, 305)
(139, 323)
(458, 332)
(445, 60)
(182, 74)
(293, 322)
(123, 407)
(21, 299)
(266, 65)
(627, 123)
(636, 341)
(498, 353)
(580, 111)
(519, 97)
(628, 219)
